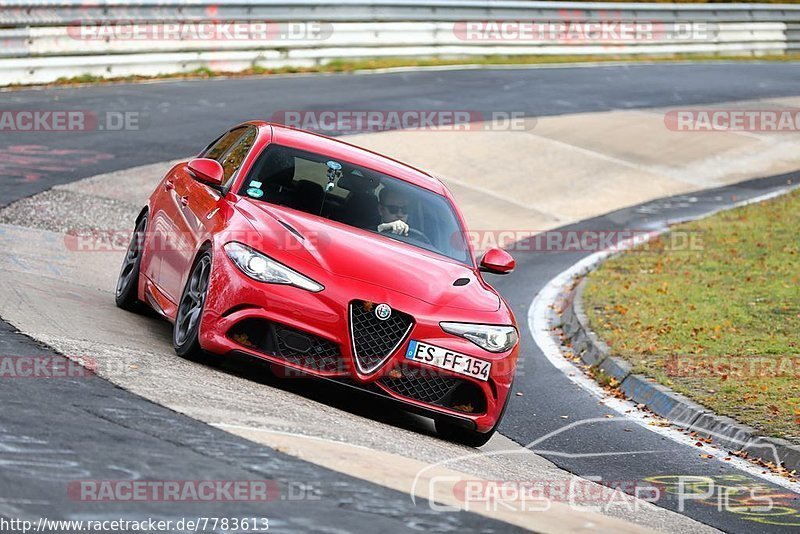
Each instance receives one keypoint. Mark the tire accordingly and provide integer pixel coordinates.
(127, 292)
(186, 331)
(471, 438)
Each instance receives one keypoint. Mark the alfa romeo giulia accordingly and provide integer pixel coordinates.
(331, 261)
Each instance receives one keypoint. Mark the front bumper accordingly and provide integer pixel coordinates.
(259, 320)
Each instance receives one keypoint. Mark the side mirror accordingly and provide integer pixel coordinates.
(208, 171)
(497, 261)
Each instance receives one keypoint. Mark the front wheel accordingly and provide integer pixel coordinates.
(127, 292)
(186, 333)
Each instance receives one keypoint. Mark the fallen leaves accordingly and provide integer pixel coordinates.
(243, 339)
(777, 469)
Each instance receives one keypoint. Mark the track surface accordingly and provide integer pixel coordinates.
(184, 116)
(54, 432)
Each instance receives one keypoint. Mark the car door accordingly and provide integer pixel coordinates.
(201, 212)
(182, 226)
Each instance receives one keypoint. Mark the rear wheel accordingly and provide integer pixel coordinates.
(127, 292)
(186, 333)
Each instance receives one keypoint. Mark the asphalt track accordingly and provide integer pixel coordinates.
(181, 117)
(55, 432)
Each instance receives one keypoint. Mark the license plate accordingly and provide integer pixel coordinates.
(447, 359)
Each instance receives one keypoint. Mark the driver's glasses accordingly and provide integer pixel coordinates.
(396, 209)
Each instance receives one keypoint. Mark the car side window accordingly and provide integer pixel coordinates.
(218, 148)
(234, 156)
(231, 149)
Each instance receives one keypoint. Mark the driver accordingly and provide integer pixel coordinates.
(393, 209)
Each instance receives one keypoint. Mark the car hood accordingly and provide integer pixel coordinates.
(361, 255)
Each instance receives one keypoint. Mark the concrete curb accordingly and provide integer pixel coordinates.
(661, 400)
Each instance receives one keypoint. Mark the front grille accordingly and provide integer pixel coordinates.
(294, 346)
(375, 340)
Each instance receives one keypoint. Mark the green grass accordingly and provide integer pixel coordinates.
(384, 63)
(721, 323)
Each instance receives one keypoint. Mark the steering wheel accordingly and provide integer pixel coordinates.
(419, 236)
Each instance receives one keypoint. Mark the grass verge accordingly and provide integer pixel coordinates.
(717, 320)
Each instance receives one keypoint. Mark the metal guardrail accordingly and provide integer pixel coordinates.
(43, 40)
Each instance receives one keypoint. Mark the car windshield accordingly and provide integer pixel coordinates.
(329, 187)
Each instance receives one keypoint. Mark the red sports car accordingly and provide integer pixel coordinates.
(328, 260)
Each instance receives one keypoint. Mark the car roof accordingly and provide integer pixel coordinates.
(313, 142)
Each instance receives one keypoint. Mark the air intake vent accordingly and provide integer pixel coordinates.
(421, 387)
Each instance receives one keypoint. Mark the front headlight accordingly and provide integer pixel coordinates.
(264, 269)
(488, 337)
